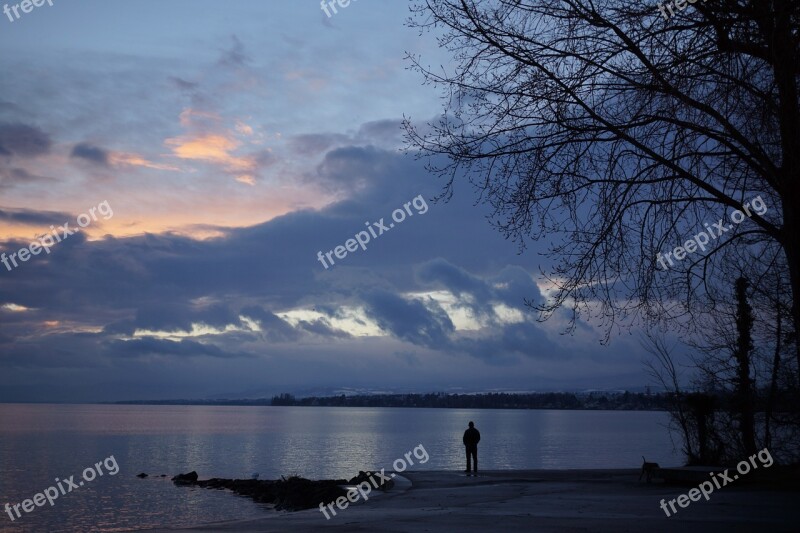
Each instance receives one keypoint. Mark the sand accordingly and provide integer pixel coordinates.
(542, 501)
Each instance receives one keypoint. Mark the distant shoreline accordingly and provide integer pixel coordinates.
(529, 401)
(237, 404)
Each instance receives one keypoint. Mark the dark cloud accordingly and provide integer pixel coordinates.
(273, 327)
(313, 144)
(183, 348)
(184, 85)
(91, 153)
(169, 282)
(323, 328)
(235, 56)
(32, 217)
(513, 286)
(264, 159)
(382, 132)
(179, 316)
(379, 133)
(410, 320)
(14, 176)
(8, 107)
(511, 342)
(353, 168)
(442, 274)
(22, 140)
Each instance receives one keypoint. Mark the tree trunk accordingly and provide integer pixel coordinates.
(776, 362)
(783, 54)
(744, 385)
(791, 232)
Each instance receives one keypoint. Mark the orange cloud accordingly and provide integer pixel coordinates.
(124, 158)
(189, 116)
(243, 128)
(212, 146)
(247, 179)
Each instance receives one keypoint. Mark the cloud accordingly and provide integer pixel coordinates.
(273, 327)
(136, 160)
(33, 217)
(14, 176)
(184, 85)
(511, 342)
(171, 316)
(213, 148)
(17, 139)
(378, 133)
(100, 156)
(351, 168)
(441, 273)
(313, 144)
(387, 133)
(109, 306)
(235, 56)
(513, 284)
(208, 141)
(409, 320)
(164, 347)
(322, 327)
(91, 153)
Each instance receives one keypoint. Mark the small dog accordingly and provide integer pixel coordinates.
(648, 469)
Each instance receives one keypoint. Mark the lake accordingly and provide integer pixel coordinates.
(39, 443)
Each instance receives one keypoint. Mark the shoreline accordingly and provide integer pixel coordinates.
(550, 500)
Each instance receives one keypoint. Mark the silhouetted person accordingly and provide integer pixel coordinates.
(471, 439)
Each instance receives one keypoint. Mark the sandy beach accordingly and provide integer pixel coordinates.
(540, 500)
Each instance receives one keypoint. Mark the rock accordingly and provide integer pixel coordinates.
(290, 494)
(365, 476)
(185, 479)
(296, 493)
(142, 475)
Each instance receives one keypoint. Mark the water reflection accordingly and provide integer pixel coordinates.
(41, 442)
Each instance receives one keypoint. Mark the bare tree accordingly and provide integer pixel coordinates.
(738, 395)
(624, 135)
(663, 370)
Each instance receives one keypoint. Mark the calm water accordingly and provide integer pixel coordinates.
(39, 443)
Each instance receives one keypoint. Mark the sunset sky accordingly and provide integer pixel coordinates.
(233, 141)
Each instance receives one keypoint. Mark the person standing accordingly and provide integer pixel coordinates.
(471, 439)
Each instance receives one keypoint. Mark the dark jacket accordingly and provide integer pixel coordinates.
(472, 437)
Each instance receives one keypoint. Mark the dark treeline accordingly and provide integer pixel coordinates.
(548, 400)
(623, 401)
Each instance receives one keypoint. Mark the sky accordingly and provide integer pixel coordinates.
(202, 155)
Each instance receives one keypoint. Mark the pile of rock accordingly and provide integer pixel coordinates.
(290, 494)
